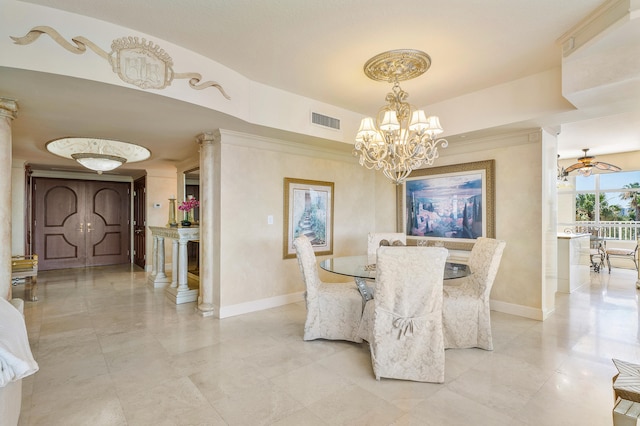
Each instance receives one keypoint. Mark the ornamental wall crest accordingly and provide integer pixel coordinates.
(136, 61)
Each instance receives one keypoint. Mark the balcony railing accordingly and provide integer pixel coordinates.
(618, 230)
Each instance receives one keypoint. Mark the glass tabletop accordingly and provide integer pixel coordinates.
(357, 266)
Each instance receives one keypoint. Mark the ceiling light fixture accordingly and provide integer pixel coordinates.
(401, 138)
(587, 163)
(100, 155)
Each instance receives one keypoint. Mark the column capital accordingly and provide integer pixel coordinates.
(208, 138)
(8, 108)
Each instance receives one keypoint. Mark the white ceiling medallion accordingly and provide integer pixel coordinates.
(100, 155)
(138, 62)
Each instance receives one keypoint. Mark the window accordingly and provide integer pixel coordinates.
(605, 198)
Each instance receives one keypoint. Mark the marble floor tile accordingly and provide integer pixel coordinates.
(353, 405)
(113, 351)
(173, 402)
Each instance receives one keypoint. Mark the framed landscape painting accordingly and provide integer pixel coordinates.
(308, 210)
(449, 205)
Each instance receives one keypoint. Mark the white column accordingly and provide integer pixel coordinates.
(158, 277)
(160, 259)
(209, 268)
(174, 263)
(154, 257)
(8, 111)
(182, 265)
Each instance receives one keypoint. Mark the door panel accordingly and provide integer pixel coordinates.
(139, 224)
(58, 229)
(107, 223)
(80, 223)
(60, 203)
(58, 247)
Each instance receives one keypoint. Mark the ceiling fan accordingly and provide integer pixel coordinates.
(586, 163)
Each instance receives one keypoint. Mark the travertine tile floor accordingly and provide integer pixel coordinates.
(113, 351)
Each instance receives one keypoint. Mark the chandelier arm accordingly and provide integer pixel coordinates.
(369, 156)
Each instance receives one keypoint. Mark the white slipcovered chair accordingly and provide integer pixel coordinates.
(403, 323)
(334, 310)
(466, 310)
(16, 359)
(374, 239)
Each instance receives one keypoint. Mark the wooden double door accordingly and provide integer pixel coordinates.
(80, 223)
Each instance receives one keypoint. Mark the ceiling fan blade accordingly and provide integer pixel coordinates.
(573, 167)
(606, 166)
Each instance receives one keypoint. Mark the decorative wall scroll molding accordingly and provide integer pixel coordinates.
(136, 61)
(8, 108)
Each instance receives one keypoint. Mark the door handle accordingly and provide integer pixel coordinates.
(89, 228)
(81, 229)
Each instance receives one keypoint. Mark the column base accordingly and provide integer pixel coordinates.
(178, 297)
(156, 281)
(206, 310)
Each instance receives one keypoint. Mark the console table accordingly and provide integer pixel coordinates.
(178, 289)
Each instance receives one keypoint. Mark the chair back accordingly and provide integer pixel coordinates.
(484, 262)
(307, 263)
(374, 239)
(408, 341)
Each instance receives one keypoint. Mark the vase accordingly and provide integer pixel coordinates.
(186, 221)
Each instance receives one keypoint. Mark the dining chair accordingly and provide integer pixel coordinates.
(466, 312)
(405, 318)
(375, 238)
(334, 310)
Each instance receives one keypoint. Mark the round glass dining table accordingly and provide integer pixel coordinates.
(359, 268)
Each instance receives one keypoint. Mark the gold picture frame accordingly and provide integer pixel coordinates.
(308, 209)
(448, 205)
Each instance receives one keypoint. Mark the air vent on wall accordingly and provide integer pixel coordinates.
(325, 121)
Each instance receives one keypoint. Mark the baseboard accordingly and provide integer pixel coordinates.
(260, 305)
(519, 310)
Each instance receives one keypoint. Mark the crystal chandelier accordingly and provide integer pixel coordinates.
(401, 138)
(100, 155)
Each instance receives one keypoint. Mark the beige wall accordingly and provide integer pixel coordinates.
(252, 173)
(522, 216)
(252, 182)
(253, 169)
(160, 185)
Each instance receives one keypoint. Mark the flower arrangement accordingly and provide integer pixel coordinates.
(186, 207)
(190, 204)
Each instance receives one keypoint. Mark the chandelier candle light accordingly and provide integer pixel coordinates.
(401, 138)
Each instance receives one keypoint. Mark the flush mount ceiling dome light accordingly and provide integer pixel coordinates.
(100, 155)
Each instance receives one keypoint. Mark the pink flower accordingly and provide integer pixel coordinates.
(188, 205)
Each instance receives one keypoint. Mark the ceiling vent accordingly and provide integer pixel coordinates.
(325, 121)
